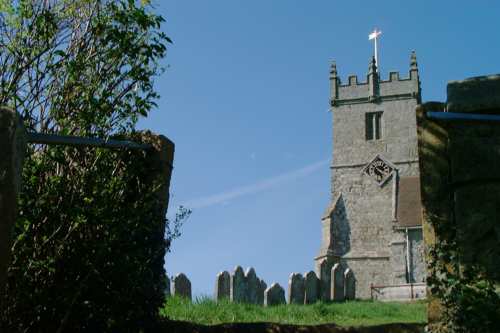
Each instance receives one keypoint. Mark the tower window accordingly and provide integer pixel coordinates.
(373, 128)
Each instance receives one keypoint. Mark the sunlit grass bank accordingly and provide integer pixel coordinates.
(206, 311)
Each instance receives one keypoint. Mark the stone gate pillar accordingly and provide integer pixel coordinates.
(12, 148)
(159, 165)
(459, 156)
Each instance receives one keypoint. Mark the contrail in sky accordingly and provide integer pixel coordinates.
(254, 188)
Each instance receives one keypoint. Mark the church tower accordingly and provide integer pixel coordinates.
(373, 223)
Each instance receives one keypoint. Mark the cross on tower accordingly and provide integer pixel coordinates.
(374, 35)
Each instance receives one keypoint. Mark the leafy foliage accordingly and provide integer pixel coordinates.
(466, 290)
(89, 249)
(79, 66)
(467, 293)
(89, 242)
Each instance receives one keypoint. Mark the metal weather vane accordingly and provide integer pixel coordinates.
(374, 35)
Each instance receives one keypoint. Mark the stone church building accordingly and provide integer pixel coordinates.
(373, 223)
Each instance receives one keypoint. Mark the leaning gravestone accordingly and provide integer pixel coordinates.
(238, 286)
(274, 295)
(350, 287)
(181, 286)
(337, 283)
(222, 286)
(311, 286)
(296, 289)
(262, 290)
(253, 286)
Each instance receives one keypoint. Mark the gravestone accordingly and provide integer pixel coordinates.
(167, 287)
(181, 286)
(238, 286)
(350, 286)
(262, 289)
(222, 286)
(296, 289)
(337, 283)
(274, 295)
(311, 288)
(325, 270)
(253, 286)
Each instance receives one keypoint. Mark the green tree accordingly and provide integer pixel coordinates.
(82, 67)
(88, 251)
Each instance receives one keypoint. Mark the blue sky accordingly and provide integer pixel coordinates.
(245, 99)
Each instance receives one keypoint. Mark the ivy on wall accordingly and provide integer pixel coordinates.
(466, 292)
(463, 297)
(89, 243)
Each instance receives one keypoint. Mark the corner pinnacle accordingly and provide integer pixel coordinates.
(333, 70)
(413, 61)
(372, 67)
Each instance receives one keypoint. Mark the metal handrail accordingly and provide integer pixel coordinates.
(41, 138)
(451, 116)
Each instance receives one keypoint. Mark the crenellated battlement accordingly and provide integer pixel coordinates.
(352, 80)
(373, 88)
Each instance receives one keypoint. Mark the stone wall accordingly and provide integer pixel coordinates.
(417, 271)
(401, 256)
(368, 271)
(393, 87)
(363, 226)
(460, 168)
(13, 140)
(12, 149)
(434, 168)
(402, 292)
(398, 260)
(399, 137)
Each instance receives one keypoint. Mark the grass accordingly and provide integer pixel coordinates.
(355, 313)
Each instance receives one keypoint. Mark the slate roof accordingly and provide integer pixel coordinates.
(409, 211)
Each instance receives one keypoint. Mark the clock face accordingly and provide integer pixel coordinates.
(379, 169)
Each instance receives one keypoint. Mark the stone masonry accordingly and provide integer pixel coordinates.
(375, 147)
(181, 286)
(296, 291)
(459, 150)
(167, 287)
(311, 288)
(240, 287)
(274, 295)
(12, 149)
(337, 283)
(222, 286)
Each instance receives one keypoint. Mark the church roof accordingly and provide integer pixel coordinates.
(409, 212)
